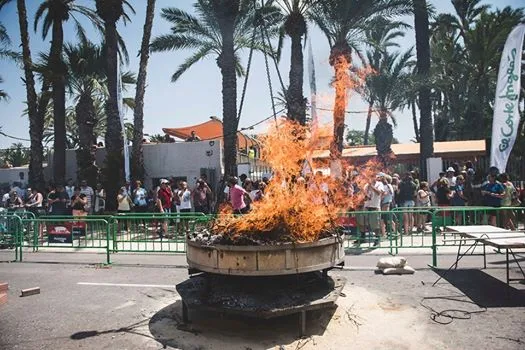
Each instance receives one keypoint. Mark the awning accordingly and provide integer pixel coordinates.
(210, 130)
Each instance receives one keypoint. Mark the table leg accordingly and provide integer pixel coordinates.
(484, 257)
(507, 264)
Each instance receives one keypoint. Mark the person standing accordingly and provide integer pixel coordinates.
(450, 175)
(88, 191)
(374, 192)
(140, 198)
(164, 203)
(100, 199)
(493, 192)
(184, 195)
(423, 202)
(510, 198)
(458, 198)
(237, 195)
(386, 204)
(70, 188)
(124, 206)
(58, 200)
(78, 203)
(202, 197)
(35, 202)
(406, 194)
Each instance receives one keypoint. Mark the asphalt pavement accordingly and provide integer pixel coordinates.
(85, 304)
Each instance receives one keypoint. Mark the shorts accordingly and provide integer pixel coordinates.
(372, 219)
(408, 204)
(185, 210)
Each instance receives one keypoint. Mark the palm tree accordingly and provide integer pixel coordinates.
(36, 120)
(221, 28)
(295, 26)
(426, 135)
(137, 167)
(388, 91)
(111, 11)
(343, 23)
(380, 37)
(86, 66)
(53, 14)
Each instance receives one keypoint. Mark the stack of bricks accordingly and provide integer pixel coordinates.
(3, 292)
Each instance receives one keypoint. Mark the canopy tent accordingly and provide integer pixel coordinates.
(210, 130)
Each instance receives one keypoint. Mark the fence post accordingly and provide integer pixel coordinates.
(434, 243)
(108, 232)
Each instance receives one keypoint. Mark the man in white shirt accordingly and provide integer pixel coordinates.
(374, 191)
(88, 191)
(450, 176)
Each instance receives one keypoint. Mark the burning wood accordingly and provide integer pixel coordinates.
(297, 207)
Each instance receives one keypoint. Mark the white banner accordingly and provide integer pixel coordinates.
(506, 115)
(121, 115)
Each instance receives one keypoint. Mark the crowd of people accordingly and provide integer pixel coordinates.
(456, 187)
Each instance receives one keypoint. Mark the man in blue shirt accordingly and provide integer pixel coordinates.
(492, 192)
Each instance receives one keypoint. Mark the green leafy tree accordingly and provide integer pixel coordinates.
(17, 155)
(388, 92)
(380, 37)
(222, 28)
(53, 14)
(111, 11)
(296, 13)
(137, 157)
(343, 22)
(36, 104)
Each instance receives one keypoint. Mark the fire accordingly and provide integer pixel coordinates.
(295, 208)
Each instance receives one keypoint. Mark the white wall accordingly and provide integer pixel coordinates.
(10, 175)
(163, 160)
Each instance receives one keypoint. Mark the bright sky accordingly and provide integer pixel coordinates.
(197, 94)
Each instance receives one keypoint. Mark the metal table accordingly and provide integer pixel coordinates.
(492, 236)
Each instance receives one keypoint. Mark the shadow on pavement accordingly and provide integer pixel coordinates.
(221, 331)
(484, 289)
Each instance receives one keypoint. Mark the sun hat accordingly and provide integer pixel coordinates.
(451, 169)
(164, 181)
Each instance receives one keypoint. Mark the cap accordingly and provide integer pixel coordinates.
(450, 169)
(164, 181)
(380, 174)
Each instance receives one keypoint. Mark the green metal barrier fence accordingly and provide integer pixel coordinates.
(384, 230)
(10, 226)
(61, 232)
(160, 232)
(157, 232)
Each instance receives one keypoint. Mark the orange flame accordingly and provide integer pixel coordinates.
(295, 208)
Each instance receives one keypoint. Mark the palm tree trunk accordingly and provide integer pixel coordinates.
(85, 114)
(414, 120)
(426, 146)
(137, 166)
(340, 59)
(296, 107)
(227, 11)
(36, 125)
(368, 121)
(59, 103)
(114, 160)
